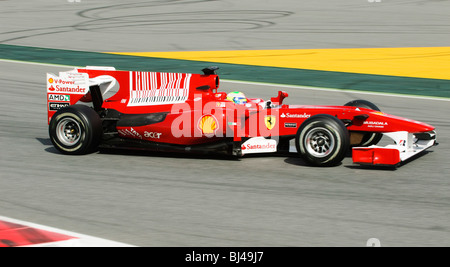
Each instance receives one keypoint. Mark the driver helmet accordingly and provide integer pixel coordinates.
(237, 97)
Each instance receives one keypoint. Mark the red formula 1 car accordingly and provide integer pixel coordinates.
(96, 107)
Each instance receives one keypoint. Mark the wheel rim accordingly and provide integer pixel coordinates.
(319, 142)
(68, 131)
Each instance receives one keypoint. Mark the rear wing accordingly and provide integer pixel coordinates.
(70, 87)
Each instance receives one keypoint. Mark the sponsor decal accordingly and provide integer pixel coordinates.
(153, 135)
(259, 145)
(130, 133)
(376, 124)
(52, 106)
(290, 125)
(270, 121)
(154, 88)
(64, 98)
(73, 83)
(297, 116)
(208, 125)
(66, 89)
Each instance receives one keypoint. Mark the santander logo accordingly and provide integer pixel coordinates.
(289, 115)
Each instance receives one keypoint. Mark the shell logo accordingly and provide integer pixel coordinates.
(208, 124)
(50, 80)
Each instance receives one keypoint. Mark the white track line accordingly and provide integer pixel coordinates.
(270, 84)
(79, 240)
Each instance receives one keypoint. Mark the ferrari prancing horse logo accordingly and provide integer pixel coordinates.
(270, 121)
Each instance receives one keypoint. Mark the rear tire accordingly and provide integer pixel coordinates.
(368, 139)
(322, 140)
(75, 130)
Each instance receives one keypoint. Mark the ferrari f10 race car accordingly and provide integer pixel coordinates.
(100, 107)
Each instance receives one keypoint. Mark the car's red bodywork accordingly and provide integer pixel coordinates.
(181, 111)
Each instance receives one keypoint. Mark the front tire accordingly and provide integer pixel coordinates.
(322, 140)
(368, 139)
(75, 130)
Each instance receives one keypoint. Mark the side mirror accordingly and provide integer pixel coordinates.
(279, 99)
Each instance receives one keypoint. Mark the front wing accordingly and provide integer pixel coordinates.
(406, 145)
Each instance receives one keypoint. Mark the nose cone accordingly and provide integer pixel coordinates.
(395, 123)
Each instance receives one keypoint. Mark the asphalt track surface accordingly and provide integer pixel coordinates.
(148, 199)
(199, 25)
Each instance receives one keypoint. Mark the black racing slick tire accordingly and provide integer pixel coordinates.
(75, 130)
(368, 139)
(322, 140)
